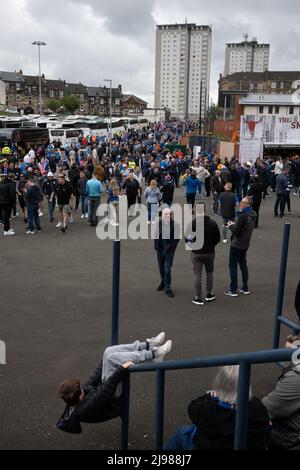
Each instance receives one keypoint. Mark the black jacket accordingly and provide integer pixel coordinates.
(256, 190)
(34, 194)
(165, 240)
(7, 192)
(211, 235)
(98, 405)
(168, 191)
(216, 424)
(63, 193)
(242, 231)
(217, 184)
(49, 187)
(227, 205)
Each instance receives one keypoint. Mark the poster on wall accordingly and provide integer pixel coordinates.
(273, 130)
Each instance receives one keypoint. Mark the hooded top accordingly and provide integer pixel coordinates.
(215, 421)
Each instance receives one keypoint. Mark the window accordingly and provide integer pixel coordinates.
(261, 110)
(282, 85)
(18, 86)
(101, 101)
(276, 109)
(61, 94)
(81, 97)
(51, 93)
(29, 90)
(291, 110)
(270, 110)
(273, 85)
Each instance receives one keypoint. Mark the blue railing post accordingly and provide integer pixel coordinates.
(160, 406)
(125, 412)
(281, 284)
(115, 293)
(240, 438)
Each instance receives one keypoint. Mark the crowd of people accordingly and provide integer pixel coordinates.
(55, 182)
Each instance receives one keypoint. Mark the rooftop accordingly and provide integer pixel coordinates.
(292, 99)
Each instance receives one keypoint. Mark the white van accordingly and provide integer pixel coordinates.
(65, 136)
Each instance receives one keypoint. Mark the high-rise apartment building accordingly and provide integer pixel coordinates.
(182, 62)
(246, 56)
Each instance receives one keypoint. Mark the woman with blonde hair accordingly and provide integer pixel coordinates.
(153, 196)
(113, 201)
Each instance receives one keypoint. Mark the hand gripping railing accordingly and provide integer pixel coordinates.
(244, 360)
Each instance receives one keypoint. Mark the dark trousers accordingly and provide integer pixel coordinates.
(93, 206)
(131, 200)
(165, 261)
(190, 199)
(256, 207)
(198, 261)
(33, 216)
(280, 201)
(238, 257)
(5, 211)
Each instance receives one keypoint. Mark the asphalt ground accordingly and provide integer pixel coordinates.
(56, 322)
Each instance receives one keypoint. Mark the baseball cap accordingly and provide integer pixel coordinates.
(50, 173)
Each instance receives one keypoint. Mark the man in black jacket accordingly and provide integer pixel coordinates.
(33, 197)
(166, 241)
(241, 235)
(49, 187)
(217, 188)
(99, 399)
(7, 197)
(204, 257)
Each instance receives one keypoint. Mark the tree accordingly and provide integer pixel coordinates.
(54, 105)
(71, 103)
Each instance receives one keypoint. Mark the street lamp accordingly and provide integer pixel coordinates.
(39, 44)
(110, 107)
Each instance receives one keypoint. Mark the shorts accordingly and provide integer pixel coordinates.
(65, 209)
(22, 202)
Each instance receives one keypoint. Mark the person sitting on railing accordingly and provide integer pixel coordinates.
(213, 416)
(100, 398)
(283, 404)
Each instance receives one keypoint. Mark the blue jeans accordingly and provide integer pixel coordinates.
(165, 261)
(33, 216)
(281, 200)
(84, 201)
(94, 203)
(238, 257)
(152, 211)
(182, 439)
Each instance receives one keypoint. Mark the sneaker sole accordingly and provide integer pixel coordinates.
(245, 293)
(197, 303)
(231, 295)
(210, 300)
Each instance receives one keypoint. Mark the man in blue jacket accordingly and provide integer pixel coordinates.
(94, 190)
(191, 185)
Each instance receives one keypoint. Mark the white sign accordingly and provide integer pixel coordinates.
(274, 130)
(196, 150)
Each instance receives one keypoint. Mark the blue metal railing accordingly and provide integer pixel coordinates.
(279, 319)
(244, 360)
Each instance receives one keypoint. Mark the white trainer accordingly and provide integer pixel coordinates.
(156, 341)
(161, 351)
(9, 233)
(59, 225)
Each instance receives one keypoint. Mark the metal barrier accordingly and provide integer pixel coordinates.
(279, 319)
(244, 360)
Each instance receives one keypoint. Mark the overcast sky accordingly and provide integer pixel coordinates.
(95, 39)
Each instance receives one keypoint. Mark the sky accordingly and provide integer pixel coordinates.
(90, 40)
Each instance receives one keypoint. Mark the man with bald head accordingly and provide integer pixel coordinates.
(242, 231)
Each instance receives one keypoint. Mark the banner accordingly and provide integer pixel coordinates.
(273, 130)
